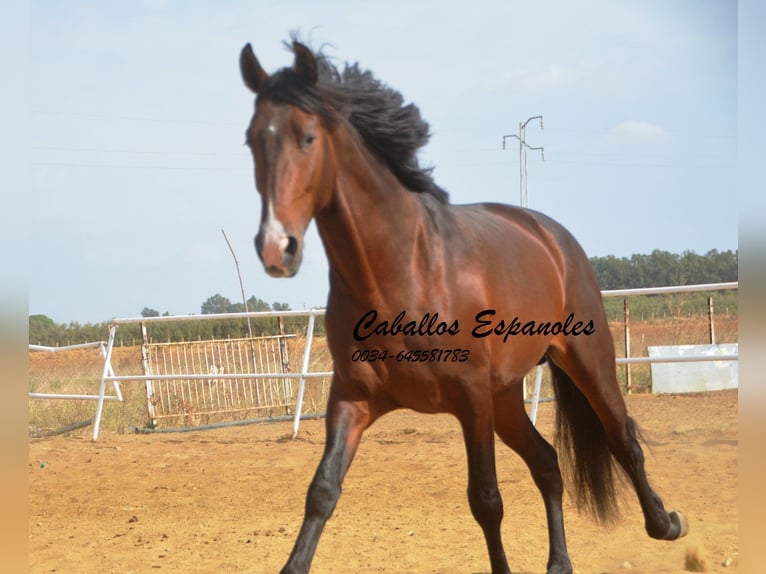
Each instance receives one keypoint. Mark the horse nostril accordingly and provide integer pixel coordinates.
(259, 244)
(278, 251)
(292, 246)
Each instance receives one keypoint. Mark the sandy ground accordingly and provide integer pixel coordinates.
(231, 500)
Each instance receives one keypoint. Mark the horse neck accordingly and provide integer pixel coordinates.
(370, 226)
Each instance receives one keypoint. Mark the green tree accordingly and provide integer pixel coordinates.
(256, 304)
(216, 304)
(42, 330)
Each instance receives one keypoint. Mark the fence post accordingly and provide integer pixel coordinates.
(628, 382)
(304, 370)
(282, 344)
(147, 369)
(710, 320)
(107, 371)
(536, 393)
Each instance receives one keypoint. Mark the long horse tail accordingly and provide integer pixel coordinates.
(582, 444)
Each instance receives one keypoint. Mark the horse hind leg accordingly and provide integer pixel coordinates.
(654, 512)
(592, 413)
(516, 430)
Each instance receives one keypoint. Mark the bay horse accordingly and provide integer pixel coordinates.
(436, 307)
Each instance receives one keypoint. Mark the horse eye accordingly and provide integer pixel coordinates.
(308, 140)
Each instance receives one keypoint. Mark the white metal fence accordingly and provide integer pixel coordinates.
(101, 346)
(186, 378)
(627, 359)
(280, 375)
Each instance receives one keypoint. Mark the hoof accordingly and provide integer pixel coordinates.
(679, 526)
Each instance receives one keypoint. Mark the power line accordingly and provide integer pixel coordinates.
(136, 151)
(135, 118)
(137, 166)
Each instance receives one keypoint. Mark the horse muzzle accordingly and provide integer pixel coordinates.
(279, 251)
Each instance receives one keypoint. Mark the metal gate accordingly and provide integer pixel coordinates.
(194, 400)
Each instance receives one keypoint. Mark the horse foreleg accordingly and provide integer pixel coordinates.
(344, 424)
(483, 493)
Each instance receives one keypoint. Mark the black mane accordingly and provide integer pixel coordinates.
(391, 129)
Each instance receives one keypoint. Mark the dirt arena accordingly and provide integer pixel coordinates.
(231, 500)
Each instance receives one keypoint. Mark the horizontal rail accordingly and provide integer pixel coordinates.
(72, 397)
(280, 418)
(92, 345)
(687, 359)
(256, 339)
(225, 411)
(674, 289)
(220, 376)
(212, 316)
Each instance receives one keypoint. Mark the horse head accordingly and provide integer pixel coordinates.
(288, 137)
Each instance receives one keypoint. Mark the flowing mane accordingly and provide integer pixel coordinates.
(392, 130)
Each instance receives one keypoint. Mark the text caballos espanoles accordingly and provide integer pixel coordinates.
(486, 323)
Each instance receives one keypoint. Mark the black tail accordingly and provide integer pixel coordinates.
(584, 450)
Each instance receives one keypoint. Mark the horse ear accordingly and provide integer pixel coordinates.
(252, 72)
(305, 64)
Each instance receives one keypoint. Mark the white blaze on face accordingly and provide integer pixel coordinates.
(275, 240)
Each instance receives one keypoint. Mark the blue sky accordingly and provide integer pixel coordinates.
(137, 116)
